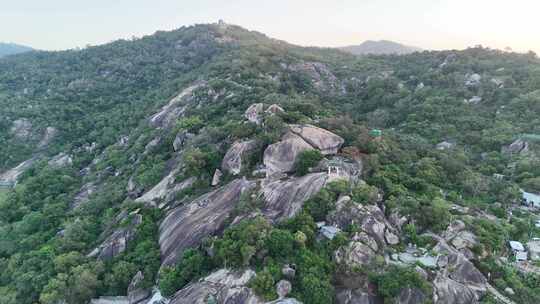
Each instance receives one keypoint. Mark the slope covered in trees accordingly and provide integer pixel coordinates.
(126, 136)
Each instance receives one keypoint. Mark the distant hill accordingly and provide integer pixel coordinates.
(380, 47)
(12, 49)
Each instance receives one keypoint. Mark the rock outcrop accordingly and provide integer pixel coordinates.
(169, 113)
(356, 296)
(221, 287)
(165, 190)
(84, 194)
(232, 161)
(254, 112)
(181, 139)
(519, 146)
(281, 156)
(355, 254)
(284, 198)
(61, 160)
(135, 293)
(12, 175)
(326, 141)
(186, 225)
(411, 296)
(21, 129)
(118, 240)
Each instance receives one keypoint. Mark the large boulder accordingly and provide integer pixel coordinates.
(22, 129)
(281, 156)
(165, 190)
(118, 240)
(181, 139)
(448, 291)
(232, 161)
(285, 198)
(187, 225)
(254, 112)
(83, 195)
(110, 300)
(411, 296)
(221, 287)
(169, 113)
(355, 254)
(357, 296)
(519, 146)
(326, 141)
(61, 160)
(136, 293)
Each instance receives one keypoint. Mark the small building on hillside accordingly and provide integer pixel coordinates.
(6, 185)
(518, 250)
(531, 199)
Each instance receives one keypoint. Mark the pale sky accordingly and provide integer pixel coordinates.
(429, 24)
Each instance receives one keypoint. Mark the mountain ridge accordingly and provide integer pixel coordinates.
(380, 47)
(7, 49)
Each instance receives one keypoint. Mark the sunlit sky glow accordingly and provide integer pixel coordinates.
(429, 24)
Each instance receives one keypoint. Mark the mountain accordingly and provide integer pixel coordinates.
(381, 47)
(12, 49)
(213, 164)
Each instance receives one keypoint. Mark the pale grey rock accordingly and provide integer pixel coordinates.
(519, 146)
(285, 198)
(253, 113)
(135, 293)
(356, 296)
(473, 79)
(285, 301)
(110, 300)
(83, 195)
(509, 291)
(324, 140)
(354, 254)
(411, 296)
(390, 237)
(61, 160)
(474, 100)
(22, 129)
(186, 226)
(223, 287)
(12, 175)
(165, 190)
(232, 161)
(448, 291)
(329, 232)
(274, 109)
(321, 77)
(117, 241)
(445, 145)
(216, 179)
(48, 136)
(181, 140)
(283, 288)
(281, 156)
(174, 109)
(366, 239)
(464, 239)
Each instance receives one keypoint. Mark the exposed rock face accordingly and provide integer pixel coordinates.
(473, 79)
(369, 218)
(232, 162)
(464, 239)
(326, 141)
(321, 77)
(117, 242)
(253, 113)
(221, 287)
(110, 300)
(284, 199)
(181, 139)
(49, 135)
(283, 288)
(216, 179)
(186, 225)
(358, 296)
(274, 109)
(411, 296)
(168, 114)
(135, 293)
(281, 156)
(519, 146)
(448, 291)
(61, 160)
(354, 254)
(165, 189)
(12, 175)
(83, 196)
(445, 145)
(22, 129)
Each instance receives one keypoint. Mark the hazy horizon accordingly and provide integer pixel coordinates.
(433, 25)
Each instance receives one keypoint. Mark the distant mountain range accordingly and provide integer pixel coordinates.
(12, 49)
(381, 47)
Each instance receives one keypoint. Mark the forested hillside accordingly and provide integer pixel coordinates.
(212, 164)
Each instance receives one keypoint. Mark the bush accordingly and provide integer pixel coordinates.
(391, 282)
(365, 194)
(263, 285)
(306, 160)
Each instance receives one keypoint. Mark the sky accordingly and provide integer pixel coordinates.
(429, 24)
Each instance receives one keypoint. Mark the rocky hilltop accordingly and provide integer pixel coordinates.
(212, 164)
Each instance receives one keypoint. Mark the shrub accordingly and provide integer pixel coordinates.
(365, 194)
(306, 160)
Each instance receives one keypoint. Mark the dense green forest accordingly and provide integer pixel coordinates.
(96, 105)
